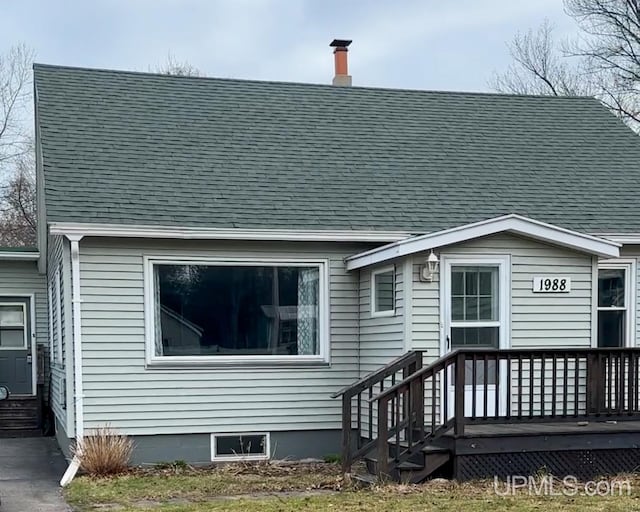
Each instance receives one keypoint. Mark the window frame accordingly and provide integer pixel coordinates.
(25, 336)
(50, 304)
(375, 313)
(58, 339)
(503, 263)
(629, 266)
(231, 458)
(153, 360)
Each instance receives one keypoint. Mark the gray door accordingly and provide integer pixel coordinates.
(15, 346)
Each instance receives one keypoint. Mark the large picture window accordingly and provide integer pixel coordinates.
(237, 310)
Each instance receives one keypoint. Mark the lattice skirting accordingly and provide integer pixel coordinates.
(583, 464)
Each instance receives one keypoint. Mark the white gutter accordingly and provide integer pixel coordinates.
(145, 231)
(622, 238)
(19, 255)
(77, 353)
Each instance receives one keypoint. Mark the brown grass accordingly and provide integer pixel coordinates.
(104, 452)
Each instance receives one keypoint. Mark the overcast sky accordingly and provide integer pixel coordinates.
(423, 44)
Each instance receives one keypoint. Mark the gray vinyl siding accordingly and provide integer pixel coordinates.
(381, 338)
(58, 372)
(120, 390)
(538, 320)
(23, 278)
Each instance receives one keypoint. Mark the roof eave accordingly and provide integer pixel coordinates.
(19, 255)
(197, 233)
(512, 223)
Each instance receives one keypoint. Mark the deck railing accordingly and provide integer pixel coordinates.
(359, 434)
(482, 386)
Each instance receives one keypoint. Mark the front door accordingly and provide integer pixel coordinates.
(15, 346)
(475, 314)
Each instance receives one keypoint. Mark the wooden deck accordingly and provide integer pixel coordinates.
(543, 429)
(511, 412)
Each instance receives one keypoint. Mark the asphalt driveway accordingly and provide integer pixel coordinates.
(30, 472)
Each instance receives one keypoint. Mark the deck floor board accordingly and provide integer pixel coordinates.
(578, 427)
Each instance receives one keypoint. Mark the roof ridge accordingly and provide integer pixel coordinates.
(37, 65)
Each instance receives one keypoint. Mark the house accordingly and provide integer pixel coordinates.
(221, 257)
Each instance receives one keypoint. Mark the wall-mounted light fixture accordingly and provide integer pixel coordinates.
(430, 268)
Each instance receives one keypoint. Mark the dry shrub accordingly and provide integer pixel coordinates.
(104, 451)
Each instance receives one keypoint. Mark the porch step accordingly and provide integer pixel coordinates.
(419, 466)
(20, 415)
(372, 465)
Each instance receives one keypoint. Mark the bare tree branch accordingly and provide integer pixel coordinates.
(540, 68)
(604, 61)
(174, 67)
(17, 168)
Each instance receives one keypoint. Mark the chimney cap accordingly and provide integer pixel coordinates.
(340, 43)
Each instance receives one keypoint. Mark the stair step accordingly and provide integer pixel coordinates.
(20, 416)
(403, 466)
(430, 449)
(365, 479)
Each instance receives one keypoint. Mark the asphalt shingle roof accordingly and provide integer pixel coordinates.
(137, 148)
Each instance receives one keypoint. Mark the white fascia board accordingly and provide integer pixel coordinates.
(509, 223)
(621, 238)
(131, 231)
(19, 256)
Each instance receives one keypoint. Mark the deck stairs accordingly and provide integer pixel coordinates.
(392, 421)
(21, 416)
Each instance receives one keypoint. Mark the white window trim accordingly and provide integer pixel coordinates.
(386, 312)
(629, 266)
(235, 361)
(25, 341)
(50, 311)
(262, 456)
(503, 262)
(58, 340)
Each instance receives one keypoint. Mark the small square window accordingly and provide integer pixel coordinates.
(383, 292)
(248, 446)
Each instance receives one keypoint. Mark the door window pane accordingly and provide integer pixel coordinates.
(483, 375)
(236, 310)
(11, 315)
(11, 338)
(474, 293)
(485, 311)
(457, 308)
(457, 282)
(474, 337)
(611, 287)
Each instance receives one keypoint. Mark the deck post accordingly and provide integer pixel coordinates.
(346, 433)
(595, 379)
(383, 438)
(417, 394)
(459, 383)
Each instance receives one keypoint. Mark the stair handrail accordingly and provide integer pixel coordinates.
(376, 376)
(408, 363)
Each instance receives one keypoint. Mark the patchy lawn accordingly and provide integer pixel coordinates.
(314, 487)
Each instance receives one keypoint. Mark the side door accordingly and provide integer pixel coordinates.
(475, 314)
(16, 359)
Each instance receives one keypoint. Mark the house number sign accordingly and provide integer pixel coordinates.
(555, 284)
